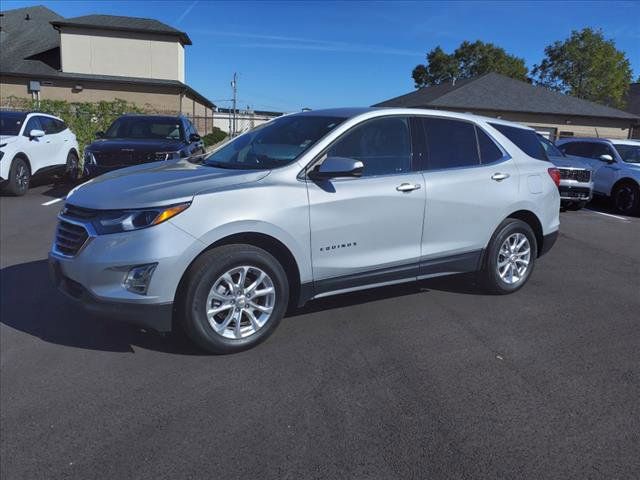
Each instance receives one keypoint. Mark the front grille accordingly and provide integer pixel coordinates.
(579, 175)
(79, 213)
(70, 238)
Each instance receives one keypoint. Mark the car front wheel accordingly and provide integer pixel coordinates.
(510, 257)
(235, 296)
(626, 198)
(19, 177)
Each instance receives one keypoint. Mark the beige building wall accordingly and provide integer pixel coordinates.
(102, 52)
(161, 99)
(578, 126)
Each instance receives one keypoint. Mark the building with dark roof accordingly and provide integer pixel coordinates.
(93, 58)
(551, 113)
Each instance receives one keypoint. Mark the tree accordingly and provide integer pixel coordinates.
(468, 60)
(586, 65)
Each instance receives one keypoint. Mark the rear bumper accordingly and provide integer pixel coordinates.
(157, 316)
(548, 241)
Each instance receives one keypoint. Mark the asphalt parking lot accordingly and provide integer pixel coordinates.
(425, 381)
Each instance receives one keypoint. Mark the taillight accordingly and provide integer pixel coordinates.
(554, 173)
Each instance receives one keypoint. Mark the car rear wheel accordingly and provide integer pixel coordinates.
(626, 198)
(234, 298)
(19, 177)
(510, 257)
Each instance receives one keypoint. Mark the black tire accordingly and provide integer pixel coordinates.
(626, 198)
(489, 276)
(72, 167)
(19, 177)
(199, 281)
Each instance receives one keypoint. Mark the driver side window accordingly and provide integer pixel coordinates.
(383, 145)
(32, 124)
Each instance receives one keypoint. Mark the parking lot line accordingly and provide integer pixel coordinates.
(51, 202)
(624, 219)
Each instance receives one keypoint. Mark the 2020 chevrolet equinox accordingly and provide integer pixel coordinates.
(305, 206)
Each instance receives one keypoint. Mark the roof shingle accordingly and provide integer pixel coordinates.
(493, 91)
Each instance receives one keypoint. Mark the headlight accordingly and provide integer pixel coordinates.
(127, 220)
(167, 155)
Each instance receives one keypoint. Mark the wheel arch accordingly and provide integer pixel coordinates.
(624, 181)
(531, 219)
(270, 244)
(24, 157)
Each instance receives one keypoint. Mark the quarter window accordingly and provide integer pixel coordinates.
(489, 151)
(451, 143)
(525, 140)
(382, 145)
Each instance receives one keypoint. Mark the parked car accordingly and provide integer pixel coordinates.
(616, 168)
(306, 206)
(135, 139)
(33, 143)
(576, 184)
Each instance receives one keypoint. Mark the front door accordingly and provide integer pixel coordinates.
(367, 230)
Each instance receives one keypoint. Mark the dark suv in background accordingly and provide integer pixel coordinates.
(135, 139)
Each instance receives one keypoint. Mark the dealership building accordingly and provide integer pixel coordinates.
(552, 114)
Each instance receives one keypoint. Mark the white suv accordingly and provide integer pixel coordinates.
(33, 143)
(307, 205)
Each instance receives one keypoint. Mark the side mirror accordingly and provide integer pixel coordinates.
(333, 167)
(194, 137)
(99, 134)
(36, 133)
(606, 158)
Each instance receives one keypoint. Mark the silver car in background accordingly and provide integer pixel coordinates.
(616, 168)
(308, 205)
(576, 182)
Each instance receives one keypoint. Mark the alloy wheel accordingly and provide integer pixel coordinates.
(514, 257)
(240, 302)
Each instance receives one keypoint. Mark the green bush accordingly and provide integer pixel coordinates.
(214, 137)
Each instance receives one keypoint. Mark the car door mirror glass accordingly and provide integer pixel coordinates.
(99, 134)
(35, 133)
(606, 158)
(333, 167)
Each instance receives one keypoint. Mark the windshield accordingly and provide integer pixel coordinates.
(274, 144)
(628, 153)
(146, 127)
(11, 122)
(549, 147)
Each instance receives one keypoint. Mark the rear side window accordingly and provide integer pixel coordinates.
(383, 145)
(525, 140)
(450, 143)
(489, 151)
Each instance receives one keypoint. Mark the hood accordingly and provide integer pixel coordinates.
(138, 144)
(569, 161)
(156, 184)
(4, 139)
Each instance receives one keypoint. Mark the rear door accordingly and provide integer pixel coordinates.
(367, 230)
(470, 185)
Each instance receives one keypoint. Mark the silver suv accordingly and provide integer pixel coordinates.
(306, 206)
(616, 168)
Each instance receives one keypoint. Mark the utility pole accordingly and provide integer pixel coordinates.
(234, 86)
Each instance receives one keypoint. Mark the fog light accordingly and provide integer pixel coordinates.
(138, 278)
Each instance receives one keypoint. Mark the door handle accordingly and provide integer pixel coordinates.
(407, 187)
(498, 177)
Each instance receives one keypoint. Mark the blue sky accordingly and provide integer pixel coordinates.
(291, 55)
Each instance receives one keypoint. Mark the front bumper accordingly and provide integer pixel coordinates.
(95, 275)
(157, 317)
